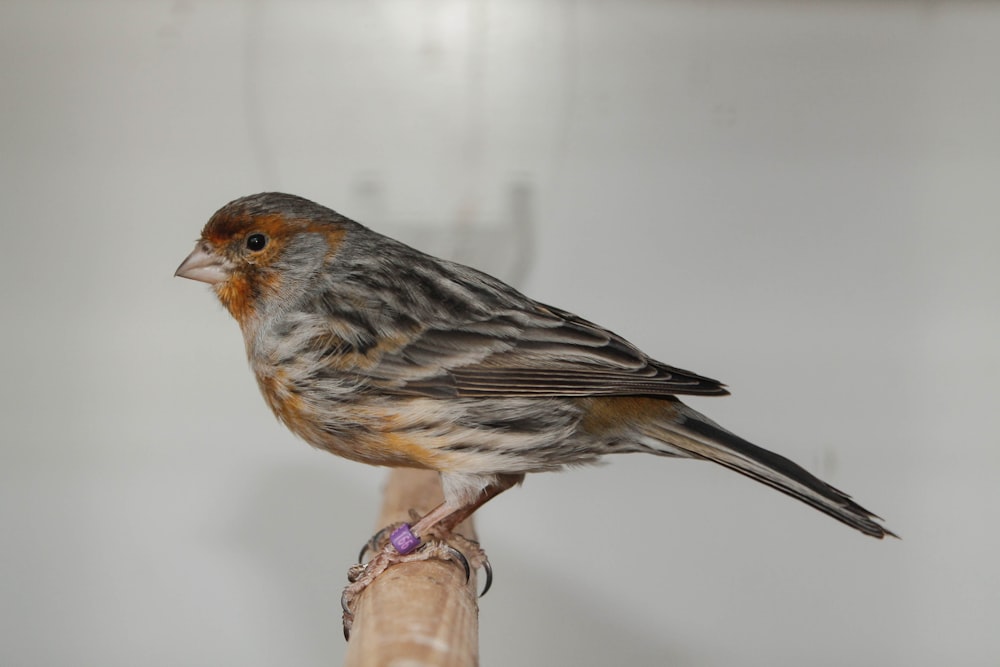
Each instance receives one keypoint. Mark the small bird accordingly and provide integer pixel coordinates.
(379, 353)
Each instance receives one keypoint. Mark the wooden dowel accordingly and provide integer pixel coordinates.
(418, 614)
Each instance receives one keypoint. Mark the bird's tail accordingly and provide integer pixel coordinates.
(689, 433)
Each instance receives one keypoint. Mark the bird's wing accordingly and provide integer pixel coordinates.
(520, 353)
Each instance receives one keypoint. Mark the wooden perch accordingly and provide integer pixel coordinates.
(419, 614)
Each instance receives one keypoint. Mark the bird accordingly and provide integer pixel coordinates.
(377, 352)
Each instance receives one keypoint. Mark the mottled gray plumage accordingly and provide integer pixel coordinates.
(386, 355)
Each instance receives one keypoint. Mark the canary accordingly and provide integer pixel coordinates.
(379, 353)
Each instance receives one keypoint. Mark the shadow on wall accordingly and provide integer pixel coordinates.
(504, 248)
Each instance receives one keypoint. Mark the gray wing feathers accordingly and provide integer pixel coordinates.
(468, 334)
(543, 353)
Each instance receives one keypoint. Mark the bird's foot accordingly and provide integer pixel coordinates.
(397, 544)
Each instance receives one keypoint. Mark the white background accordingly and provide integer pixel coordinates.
(801, 199)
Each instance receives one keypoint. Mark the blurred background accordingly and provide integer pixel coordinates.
(800, 199)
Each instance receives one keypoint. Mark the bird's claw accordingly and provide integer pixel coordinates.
(488, 571)
(458, 557)
(361, 574)
(355, 572)
(376, 542)
(479, 557)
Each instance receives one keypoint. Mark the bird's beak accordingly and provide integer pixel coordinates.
(205, 265)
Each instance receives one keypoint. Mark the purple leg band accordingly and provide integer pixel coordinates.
(404, 540)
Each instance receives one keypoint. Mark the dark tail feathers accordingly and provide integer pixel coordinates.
(702, 438)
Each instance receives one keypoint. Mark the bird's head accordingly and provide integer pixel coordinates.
(261, 252)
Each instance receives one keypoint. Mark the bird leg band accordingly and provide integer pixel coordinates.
(403, 539)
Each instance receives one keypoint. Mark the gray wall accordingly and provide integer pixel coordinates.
(800, 199)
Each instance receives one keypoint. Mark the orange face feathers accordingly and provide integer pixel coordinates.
(244, 254)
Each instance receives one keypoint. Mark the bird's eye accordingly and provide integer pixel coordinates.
(256, 242)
